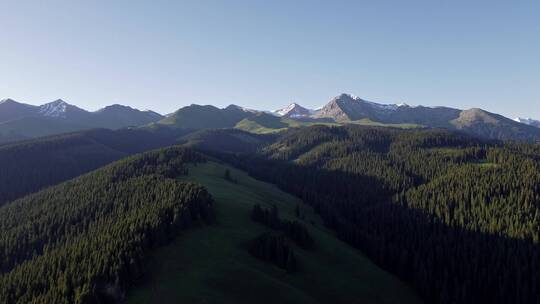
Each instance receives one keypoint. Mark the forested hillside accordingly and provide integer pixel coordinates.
(85, 241)
(227, 140)
(32, 165)
(455, 216)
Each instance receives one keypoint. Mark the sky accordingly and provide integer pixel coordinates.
(163, 55)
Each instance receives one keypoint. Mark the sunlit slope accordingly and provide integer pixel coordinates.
(211, 264)
(266, 123)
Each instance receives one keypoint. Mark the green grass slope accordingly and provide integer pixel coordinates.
(211, 264)
(368, 122)
(262, 123)
(266, 123)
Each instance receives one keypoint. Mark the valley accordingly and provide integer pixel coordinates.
(211, 264)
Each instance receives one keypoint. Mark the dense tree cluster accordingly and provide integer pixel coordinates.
(456, 217)
(275, 249)
(84, 241)
(295, 230)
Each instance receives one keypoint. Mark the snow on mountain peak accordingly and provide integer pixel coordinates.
(385, 107)
(528, 121)
(293, 110)
(57, 108)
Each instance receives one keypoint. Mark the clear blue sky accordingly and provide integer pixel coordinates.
(164, 55)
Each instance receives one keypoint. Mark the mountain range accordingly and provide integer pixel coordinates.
(349, 109)
(22, 121)
(19, 121)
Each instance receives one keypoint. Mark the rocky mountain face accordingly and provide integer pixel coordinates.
(494, 126)
(347, 108)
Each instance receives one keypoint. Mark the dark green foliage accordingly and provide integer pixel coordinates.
(35, 164)
(456, 217)
(232, 141)
(84, 241)
(269, 218)
(293, 229)
(275, 249)
(227, 176)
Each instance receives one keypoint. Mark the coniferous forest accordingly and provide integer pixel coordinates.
(455, 217)
(85, 241)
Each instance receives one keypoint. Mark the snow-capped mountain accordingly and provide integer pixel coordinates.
(294, 110)
(60, 109)
(529, 121)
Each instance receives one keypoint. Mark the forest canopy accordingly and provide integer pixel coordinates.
(85, 241)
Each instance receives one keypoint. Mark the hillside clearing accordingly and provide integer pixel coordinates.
(210, 264)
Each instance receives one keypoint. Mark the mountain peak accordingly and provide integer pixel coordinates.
(58, 109)
(7, 101)
(233, 107)
(116, 107)
(293, 110)
(474, 116)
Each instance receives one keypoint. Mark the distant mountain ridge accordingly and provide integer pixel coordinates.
(19, 121)
(345, 109)
(529, 121)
